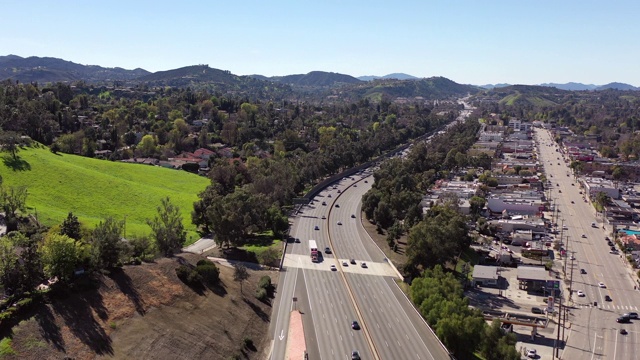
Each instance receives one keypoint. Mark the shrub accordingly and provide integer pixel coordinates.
(265, 282)
(205, 262)
(149, 258)
(209, 272)
(248, 342)
(261, 294)
(188, 275)
(24, 302)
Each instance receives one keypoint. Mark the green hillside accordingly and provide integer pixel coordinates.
(94, 189)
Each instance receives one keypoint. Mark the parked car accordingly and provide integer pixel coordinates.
(607, 298)
(327, 250)
(537, 310)
(581, 293)
(333, 268)
(602, 285)
(364, 265)
(352, 261)
(532, 354)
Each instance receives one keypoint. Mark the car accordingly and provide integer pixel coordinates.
(583, 271)
(355, 325)
(316, 227)
(610, 243)
(602, 285)
(532, 353)
(355, 185)
(355, 355)
(333, 268)
(623, 331)
(297, 240)
(572, 257)
(537, 310)
(324, 217)
(339, 191)
(329, 195)
(631, 315)
(607, 298)
(364, 265)
(337, 205)
(581, 293)
(353, 216)
(573, 202)
(324, 203)
(613, 251)
(344, 263)
(583, 236)
(607, 238)
(572, 184)
(327, 250)
(560, 191)
(339, 223)
(558, 163)
(352, 261)
(623, 319)
(565, 227)
(366, 182)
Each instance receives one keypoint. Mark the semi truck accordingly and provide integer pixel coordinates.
(314, 250)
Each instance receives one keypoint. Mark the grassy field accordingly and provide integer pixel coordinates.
(95, 189)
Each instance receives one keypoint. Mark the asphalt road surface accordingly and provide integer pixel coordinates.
(594, 332)
(331, 300)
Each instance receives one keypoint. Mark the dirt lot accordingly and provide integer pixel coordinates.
(397, 258)
(146, 312)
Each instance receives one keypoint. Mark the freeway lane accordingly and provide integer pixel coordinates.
(595, 334)
(397, 333)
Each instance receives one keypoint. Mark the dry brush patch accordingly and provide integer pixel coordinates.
(147, 312)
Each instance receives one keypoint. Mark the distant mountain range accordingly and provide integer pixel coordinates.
(314, 78)
(313, 85)
(46, 69)
(397, 76)
(572, 86)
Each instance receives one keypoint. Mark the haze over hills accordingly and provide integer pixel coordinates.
(397, 76)
(572, 86)
(316, 78)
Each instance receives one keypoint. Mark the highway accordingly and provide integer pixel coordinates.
(594, 332)
(331, 300)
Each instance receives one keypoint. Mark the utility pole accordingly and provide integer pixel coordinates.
(556, 345)
(571, 277)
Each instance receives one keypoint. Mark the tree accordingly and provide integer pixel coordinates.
(106, 243)
(438, 238)
(71, 227)
(147, 146)
(498, 346)
(60, 256)
(167, 228)
(476, 204)
(13, 199)
(8, 263)
(382, 215)
(240, 274)
(602, 199)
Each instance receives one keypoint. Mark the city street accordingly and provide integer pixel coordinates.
(594, 332)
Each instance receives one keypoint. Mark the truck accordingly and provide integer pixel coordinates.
(314, 250)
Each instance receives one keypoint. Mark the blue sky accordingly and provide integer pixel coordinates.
(473, 42)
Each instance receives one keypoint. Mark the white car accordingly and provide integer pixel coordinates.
(581, 293)
(339, 222)
(602, 285)
(532, 354)
(333, 268)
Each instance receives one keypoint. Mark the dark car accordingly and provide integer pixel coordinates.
(337, 205)
(297, 240)
(583, 271)
(607, 298)
(355, 355)
(327, 250)
(355, 325)
(537, 310)
(352, 261)
(623, 319)
(324, 203)
(631, 315)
